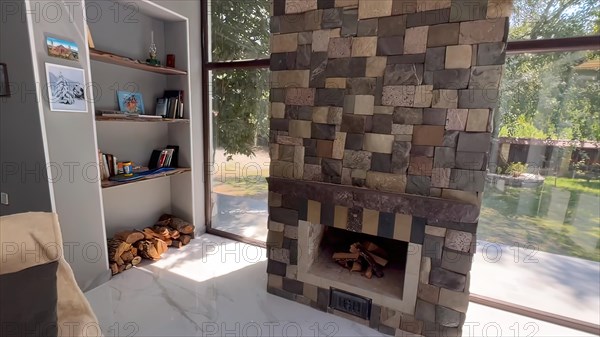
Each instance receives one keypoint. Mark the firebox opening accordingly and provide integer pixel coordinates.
(335, 240)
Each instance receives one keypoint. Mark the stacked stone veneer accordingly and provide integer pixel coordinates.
(384, 106)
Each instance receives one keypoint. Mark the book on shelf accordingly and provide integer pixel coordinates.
(174, 101)
(166, 157)
(109, 165)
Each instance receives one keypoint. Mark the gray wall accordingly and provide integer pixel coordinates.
(72, 142)
(23, 165)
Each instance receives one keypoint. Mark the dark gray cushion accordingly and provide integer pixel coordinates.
(28, 301)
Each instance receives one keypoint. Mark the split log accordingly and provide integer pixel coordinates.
(356, 266)
(136, 260)
(149, 234)
(147, 250)
(134, 251)
(121, 268)
(114, 268)
(163, 231)
(128, 266)
(115, 249)
(174, 234)
(129, 236)
(165, 220)
(374, 249)
(345, 256)
(176, 244)
(160, 246)
(369, 272)
(368, 257)
(182, 226)
(168, 241)
(185, 239)
(127, 256)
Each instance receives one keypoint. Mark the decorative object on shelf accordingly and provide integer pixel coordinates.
(66, 91)
(161, 107)
(62, 49)
(4, 86)
(130, 102)
(170, 60)
(152, 52)
(128, 169)
(89, 37)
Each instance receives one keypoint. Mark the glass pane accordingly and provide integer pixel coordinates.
(239, 29)
(240, 158)
(544, 19)
(539, 229)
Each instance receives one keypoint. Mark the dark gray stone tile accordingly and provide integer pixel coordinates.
(422, 151)
(386, 225)
(444, 157)
(293, 286)
(403, 74)
(400, 157)
(284, 215)
(406, 59)
(303, 57)
(277, 95)
(318, 66)
(350, 22)
(368, 27)
(381, 162)
(330, 97)
(428, 18)
(425, 311)
(382, 124)
(291, 23)
(474, 142)
(467, 180)
(354, 141)
(312, 160)
(491, 53)
(471, 160)
(446, 279)
(353, 123)
(457, 262)
(417, 230)
(276, 268)
(450, 139)
(332, 18)
(310, 147)
(392, 26)
(433, 247)
(279, 124)
(331, 167)
(478, 99)
(468, 10)
(435, 58)
(361, 86)
(393, 45)
(434, 116)
(418, 185)
(338, 67)
(358, 67)
(451, 79)
(324, 4)
(408, 116)
(323, 298)
(323, 131)
(375, 315)
(278, 7)
(447, 317)
(274, 24)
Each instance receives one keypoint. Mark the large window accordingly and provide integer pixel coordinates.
(237, 77)
(539, 229)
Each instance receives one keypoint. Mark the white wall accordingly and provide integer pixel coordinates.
(23, 165)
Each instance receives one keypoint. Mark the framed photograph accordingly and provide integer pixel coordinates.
(62, 49)
(4, 87)
(130, 102)
(66, 88)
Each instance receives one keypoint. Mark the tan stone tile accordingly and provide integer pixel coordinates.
(390, 317)
(346, 3)
(456, 119)
(435, 231)
(428, 293)
(445, 99)
(423, 96)
(338, 145)
(335, 33)
(499, 8)
(275, 281)
(402, 129)
(374, 142)
(376, 66)
(364, 46)
(300, 128)
(340, 217)
(440, 177)
(281, 43)
(415, 40)
(339, 47)
(387, 182)
(399, 95)
(310, 291)
(383, 110)
(430, 5)
(363, 104)
(290, 78)
(402, 226)
(319, 114)
(275, 226)
(314, 212)
(458, 57)
(335, 115)
(335, 82)
(274, 198)
(299, 6)
(425, 270)
(482, 31)
(320, 40)
(468, 197)
(370, 222)
(478, 120)
(277, 110)
(359, 174)
(374, 8)
(458, 301)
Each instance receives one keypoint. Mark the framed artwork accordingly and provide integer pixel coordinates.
(66, 88)
(130, 102)
(4, 87)
(64, 49)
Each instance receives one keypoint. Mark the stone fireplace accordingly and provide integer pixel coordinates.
(381, 119)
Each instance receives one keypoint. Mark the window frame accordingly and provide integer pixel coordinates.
(513, 48)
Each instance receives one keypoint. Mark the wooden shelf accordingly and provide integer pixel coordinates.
(109, 183)
(131, 63)
(140, 119)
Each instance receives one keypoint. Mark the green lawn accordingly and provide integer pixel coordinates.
(558, 220)
(574, 185)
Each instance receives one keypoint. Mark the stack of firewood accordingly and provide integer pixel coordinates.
(365, 258)
(127, 248)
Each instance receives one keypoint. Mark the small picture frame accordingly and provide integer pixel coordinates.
(130, 102)
(66, 88)
(4, 85)
(63, 49)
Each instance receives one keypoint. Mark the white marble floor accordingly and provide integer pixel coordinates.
(217, 287)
